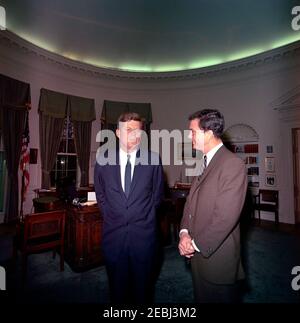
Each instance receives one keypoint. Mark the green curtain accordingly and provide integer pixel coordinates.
(14, 98)
(53, 104)
(59, 105)
(82, 136)
(113, 109)
(13, 127)
(13, 93)
(53, 108)
(50, 134)
(81, 109)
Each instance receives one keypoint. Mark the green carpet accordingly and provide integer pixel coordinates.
(268, 256)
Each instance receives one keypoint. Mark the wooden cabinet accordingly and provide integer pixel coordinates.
(83, 237)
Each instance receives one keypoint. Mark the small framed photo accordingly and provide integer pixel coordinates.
(239, 149)
(270, 164)
(270, 149)
(270, 180)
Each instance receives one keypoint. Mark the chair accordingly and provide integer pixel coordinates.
(267, 200)
(178, 197)
(176, 215)
(40, 232)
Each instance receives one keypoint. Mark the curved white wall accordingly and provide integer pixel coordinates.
(244, 93)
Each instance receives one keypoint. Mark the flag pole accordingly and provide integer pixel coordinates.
(22, 200)
(21, 216)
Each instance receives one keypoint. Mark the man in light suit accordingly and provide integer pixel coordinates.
(128, 194)
(210, 232)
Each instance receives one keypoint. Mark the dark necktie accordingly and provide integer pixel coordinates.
(205, 161)
(127, 176)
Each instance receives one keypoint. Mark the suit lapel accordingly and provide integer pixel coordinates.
(208, 169)
(136, 173)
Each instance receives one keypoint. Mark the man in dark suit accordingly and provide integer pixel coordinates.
(210, 232)
(128, 194)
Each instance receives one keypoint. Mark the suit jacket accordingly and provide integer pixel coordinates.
(211, 215)
(129, 220)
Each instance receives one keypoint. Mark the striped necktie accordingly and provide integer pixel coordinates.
(205, 161)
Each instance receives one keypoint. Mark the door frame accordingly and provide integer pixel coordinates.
(296, 173)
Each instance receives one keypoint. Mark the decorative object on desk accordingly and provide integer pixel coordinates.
(33, 156)
(47, 204)
(66, 189)
(270, 149)
(270, 164)
(270, 180)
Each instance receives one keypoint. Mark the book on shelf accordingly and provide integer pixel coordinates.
(253, 171)
(251, 160)
(251, 148)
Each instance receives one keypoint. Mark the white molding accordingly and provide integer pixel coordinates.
(288, 109)
(11, 40)
(241, 133)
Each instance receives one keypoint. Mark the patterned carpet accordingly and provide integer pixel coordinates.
(269, 257)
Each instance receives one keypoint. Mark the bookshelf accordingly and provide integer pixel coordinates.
(248, 152)
(242, 140)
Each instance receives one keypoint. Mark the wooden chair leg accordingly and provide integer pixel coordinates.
(276, 219)
(259, 219)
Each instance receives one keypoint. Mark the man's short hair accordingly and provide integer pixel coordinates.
(210, 119)
(129, 116)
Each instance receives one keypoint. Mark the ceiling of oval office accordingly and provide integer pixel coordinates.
(153, 35)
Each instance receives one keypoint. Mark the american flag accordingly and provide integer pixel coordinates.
(24, 162)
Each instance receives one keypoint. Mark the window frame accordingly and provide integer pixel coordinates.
(65, 154)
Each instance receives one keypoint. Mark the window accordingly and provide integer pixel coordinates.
(66, 160)
(3, 174)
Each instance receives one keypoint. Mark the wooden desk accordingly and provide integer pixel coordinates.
(83, 238)
(47, 204)
(81, 192)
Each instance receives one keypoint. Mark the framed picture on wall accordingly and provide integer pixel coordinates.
(270, 164)
(270, 180)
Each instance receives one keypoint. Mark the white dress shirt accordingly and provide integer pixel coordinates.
(123, 161)
(209, 157)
